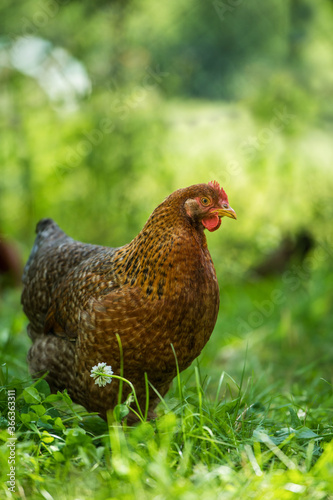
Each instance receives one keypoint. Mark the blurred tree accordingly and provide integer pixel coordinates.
(301, 18)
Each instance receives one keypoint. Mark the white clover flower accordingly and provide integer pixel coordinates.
(101, 373)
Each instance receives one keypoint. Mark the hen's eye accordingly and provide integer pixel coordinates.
(205, 201)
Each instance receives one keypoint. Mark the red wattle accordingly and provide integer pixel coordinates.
(212, 222)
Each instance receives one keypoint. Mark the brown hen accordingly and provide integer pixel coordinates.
(158, 291)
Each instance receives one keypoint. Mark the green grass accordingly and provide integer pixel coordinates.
(252, 418)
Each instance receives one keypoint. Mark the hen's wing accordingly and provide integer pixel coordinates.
(52, 258)
(78, 298)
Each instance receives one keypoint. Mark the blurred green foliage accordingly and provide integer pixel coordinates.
(180, 93)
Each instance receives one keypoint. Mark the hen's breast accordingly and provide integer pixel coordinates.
(170, 296)
(195, 302)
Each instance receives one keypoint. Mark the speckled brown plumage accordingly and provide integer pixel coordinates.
(159, 289)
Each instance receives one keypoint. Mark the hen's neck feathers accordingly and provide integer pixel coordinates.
(170, 247)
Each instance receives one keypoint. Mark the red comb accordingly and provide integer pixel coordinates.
(222, 194)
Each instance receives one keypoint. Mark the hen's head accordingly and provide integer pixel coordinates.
(207, 204)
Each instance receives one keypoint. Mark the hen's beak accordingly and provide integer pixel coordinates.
(226, 212)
